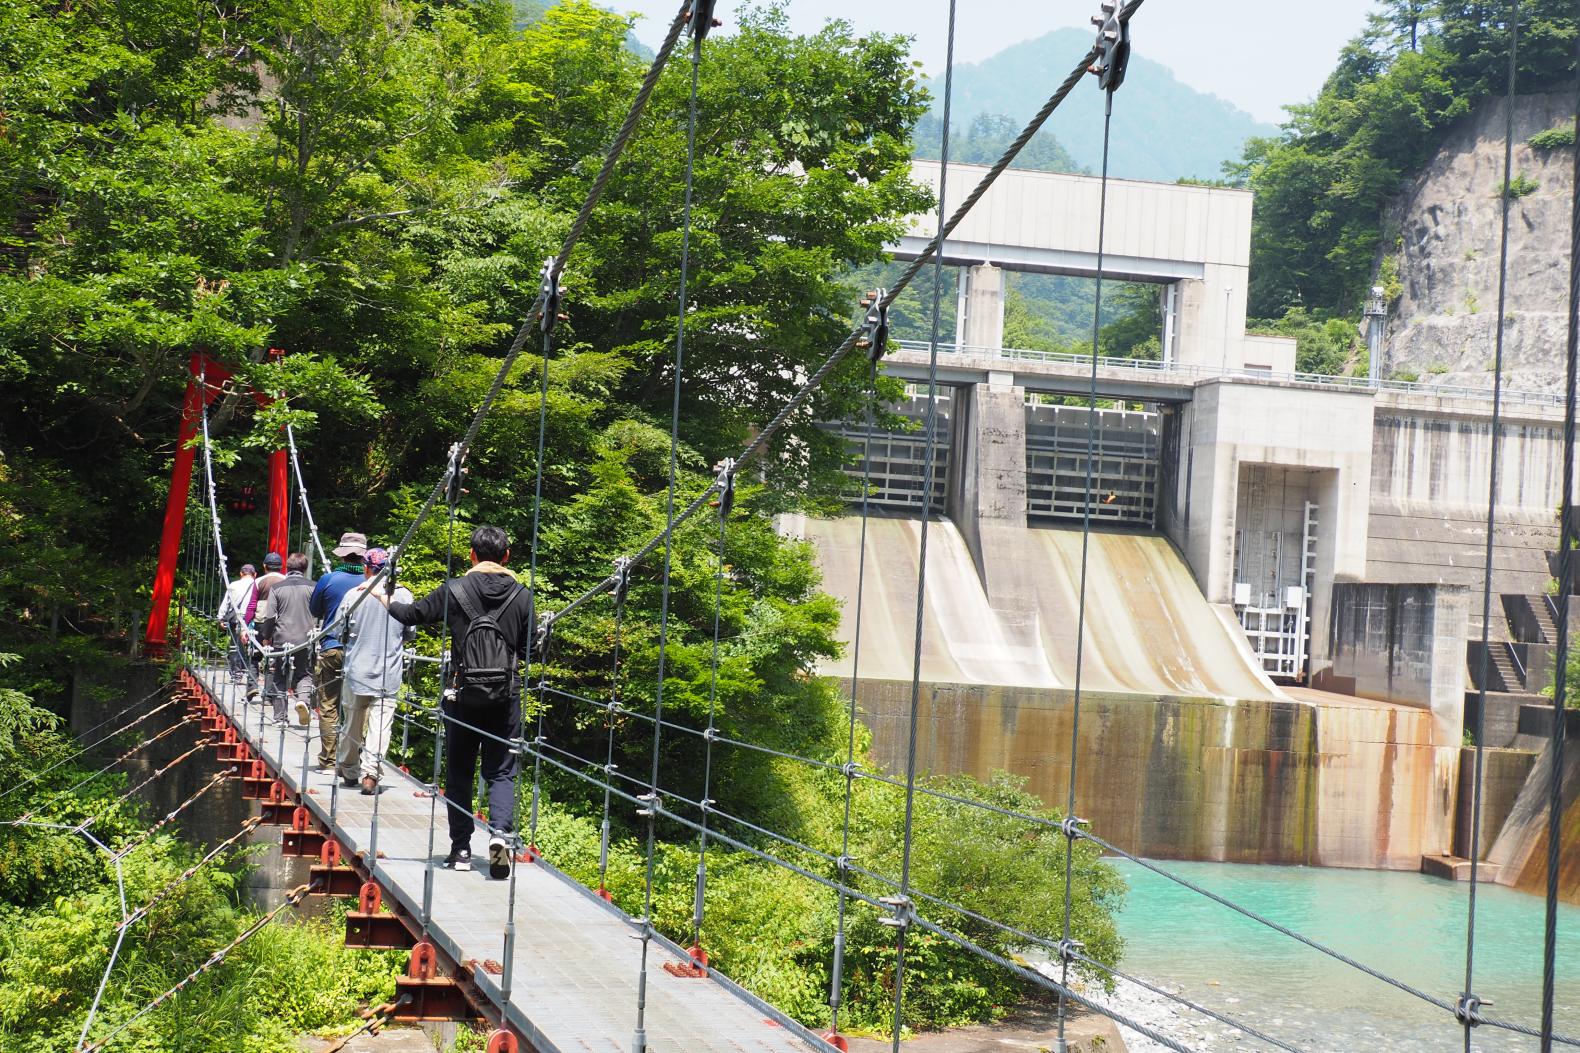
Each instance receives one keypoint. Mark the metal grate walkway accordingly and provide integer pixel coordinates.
(575, 957)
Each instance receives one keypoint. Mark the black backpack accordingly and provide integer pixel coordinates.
(485, 663)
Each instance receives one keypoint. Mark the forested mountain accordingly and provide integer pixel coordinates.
(1163, 129)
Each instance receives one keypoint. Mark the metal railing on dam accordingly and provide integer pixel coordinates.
(1177, 372)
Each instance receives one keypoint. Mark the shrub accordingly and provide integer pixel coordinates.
(1554, 138)
(1520, 186)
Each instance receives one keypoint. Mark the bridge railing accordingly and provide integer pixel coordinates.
(1184, 371)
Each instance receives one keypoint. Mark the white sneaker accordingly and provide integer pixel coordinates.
(304, 715)
(498, 858)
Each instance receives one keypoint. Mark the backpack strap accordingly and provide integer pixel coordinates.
(459, 590)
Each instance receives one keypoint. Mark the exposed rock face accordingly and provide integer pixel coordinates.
(1443, 327)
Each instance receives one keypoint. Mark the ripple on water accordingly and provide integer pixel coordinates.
(1406, 925)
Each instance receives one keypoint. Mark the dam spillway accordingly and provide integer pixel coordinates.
(1149, 629)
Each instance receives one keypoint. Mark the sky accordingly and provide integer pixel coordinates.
(1260, 56)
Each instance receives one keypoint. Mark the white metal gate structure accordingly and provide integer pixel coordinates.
(1274, 566)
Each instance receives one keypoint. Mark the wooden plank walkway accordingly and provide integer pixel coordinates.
(576, 957)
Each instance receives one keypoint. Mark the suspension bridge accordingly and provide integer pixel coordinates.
(555, 965)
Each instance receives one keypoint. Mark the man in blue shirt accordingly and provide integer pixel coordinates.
(325, 604)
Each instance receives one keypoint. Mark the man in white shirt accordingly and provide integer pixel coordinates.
(236, 612)
(375, 651)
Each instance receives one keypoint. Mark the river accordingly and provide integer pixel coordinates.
(1406, 925)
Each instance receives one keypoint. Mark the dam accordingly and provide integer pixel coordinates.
(1283, 571)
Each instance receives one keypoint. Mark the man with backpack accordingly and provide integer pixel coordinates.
(236, 612)
(489, 614)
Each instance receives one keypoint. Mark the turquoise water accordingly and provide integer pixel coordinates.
(1406, 925)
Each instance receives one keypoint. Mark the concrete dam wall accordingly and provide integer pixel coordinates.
(1187, 750)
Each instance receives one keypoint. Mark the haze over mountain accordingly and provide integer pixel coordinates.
(1163, 129)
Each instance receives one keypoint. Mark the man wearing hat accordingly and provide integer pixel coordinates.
(325, 604)
(375, 659)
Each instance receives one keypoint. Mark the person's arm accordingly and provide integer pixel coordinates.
(225, 607)
(315, 603)
(427, 611)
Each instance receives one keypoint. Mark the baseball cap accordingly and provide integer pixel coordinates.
(273, 561)
(376, 558)
(248, 568)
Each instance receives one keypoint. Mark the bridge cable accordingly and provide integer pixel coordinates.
(903, 914)
(25, 783)
(699, 896)
(170, 816)
(1072, 824)
(1566, 542)
(548, 317)
(1468, 1008)
(293, 899)
(835, 991)
(701, 16)
(301, 493)
(758, 445)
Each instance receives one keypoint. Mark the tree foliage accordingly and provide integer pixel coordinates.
(371, 186)
(1322, 184)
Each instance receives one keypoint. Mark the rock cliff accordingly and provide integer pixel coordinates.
(1442, 326)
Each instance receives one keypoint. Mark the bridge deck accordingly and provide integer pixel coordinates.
(576, 958)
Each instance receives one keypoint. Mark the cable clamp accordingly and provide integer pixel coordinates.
(620, 580)
(850, 769)
(1468, 1009)
(1071, 827)
(1113, 46)
(710, 734)
(701, 18)
(726, 484)
(609, 769)
(1069, 950)
(706, 804)
(904, 912)
(654, 806)
(455, 475)
(547, 308)
(874, 335)
(843, 864)
(643, 926)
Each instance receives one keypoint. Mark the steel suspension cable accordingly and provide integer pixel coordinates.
(622, 569)
(1469, 1007)
(25, 783)
(294, 898)
(301, 494)
(700, 16)
(171, 815)
(1071, 823)
(835, 988)
(902, 905)
(759, 443)
(699, 894)
(128, 755)
(1557, 734)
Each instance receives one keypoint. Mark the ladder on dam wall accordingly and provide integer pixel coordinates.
(1277, 617)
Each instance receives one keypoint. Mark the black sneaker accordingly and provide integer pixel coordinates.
(498, 858)
(458, 859)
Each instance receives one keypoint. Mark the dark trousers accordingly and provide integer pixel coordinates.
(463, 747)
